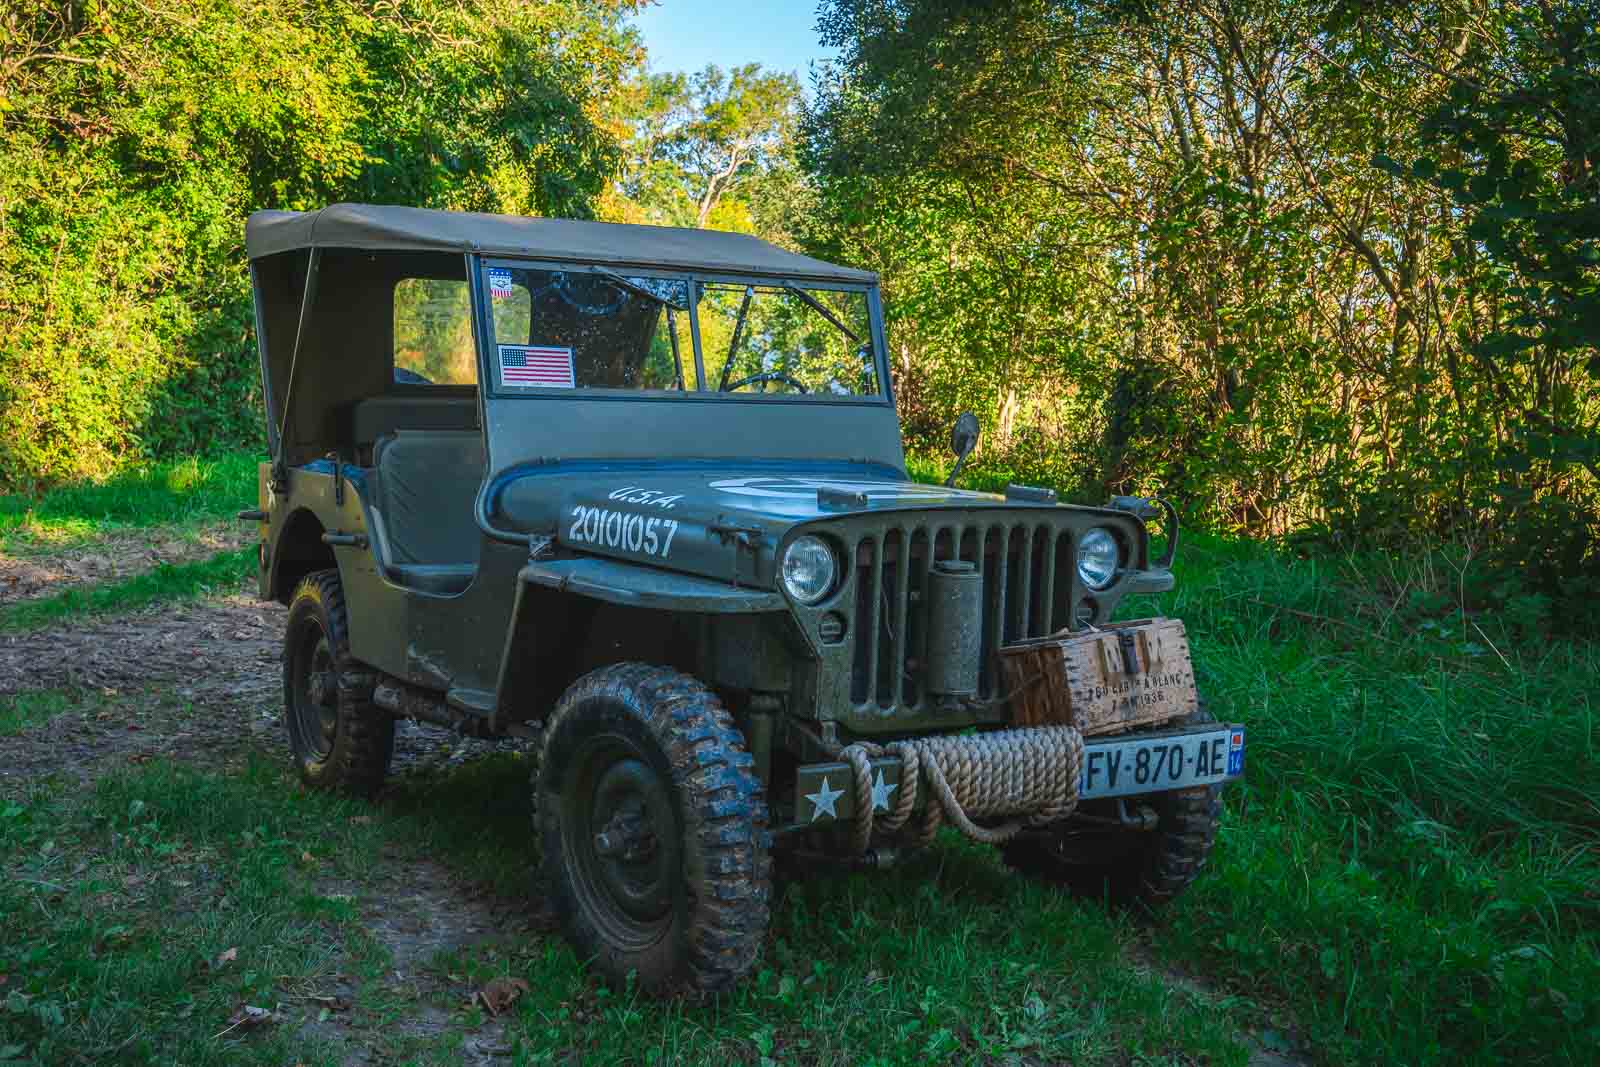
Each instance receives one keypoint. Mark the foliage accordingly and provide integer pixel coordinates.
(1516, 144)
(709, 149)
(135, 137)
(1150, 244)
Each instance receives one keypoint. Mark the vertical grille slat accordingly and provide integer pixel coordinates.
(875, 613)
(1024, 605)
(1002, 577)
(1047, 596)
(915, 623)
(891, 585)
(1026, 593)
(902, 606)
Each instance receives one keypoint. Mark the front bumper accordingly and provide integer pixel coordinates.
(824, 796)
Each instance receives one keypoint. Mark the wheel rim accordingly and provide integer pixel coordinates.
(620, 830)
(313, 694)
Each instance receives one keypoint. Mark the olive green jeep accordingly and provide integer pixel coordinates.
(637, 495)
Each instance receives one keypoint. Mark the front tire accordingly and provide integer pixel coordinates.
(653, 827)
(338, 738)
(1129, 868)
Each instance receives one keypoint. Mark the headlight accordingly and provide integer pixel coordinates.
(809, 569)
(1098, 558)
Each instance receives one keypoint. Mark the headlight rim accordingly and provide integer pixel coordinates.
(1116, 568)
(835, 578)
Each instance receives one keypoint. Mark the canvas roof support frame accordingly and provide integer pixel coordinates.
(388, 228)
(307, 301)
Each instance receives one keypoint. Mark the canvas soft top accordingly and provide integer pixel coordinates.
(386, 227)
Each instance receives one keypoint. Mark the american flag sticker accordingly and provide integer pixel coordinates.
(545, 366)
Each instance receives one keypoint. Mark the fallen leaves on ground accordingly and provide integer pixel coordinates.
(500, 994)
(249, 1016)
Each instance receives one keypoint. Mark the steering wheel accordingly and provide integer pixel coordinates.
(766, 376)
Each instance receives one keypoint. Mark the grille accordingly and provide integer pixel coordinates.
(1027, 592)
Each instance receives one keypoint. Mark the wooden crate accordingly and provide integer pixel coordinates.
(1083, 679)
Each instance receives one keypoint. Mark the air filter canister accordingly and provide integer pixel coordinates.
(955, 628)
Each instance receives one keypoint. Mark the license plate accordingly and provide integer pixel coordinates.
(1156, 763)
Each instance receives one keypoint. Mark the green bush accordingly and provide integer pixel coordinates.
(136, 137)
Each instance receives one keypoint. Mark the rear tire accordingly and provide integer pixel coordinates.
(338, 738)
(653, 827)
(1130, 868)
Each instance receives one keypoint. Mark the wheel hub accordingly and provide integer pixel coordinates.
(322, 687)
(315, 695)
(629, 846)
(627, 837)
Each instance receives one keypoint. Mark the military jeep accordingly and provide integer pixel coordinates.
(637, 496)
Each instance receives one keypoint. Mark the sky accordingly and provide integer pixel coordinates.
(685, 35)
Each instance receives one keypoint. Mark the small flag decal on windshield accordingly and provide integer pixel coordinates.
(540, 365)
(501, 287)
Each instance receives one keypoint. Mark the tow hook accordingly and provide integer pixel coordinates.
(1144, 818)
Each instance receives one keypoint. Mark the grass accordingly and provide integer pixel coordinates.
(1411, 862)
(947, 958)
(23, 711)
(122, 904)
(120, 907)
(165, 583)
(1409, 873)
(172, 492)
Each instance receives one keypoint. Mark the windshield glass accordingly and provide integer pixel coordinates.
(786, 339)
(591, 328)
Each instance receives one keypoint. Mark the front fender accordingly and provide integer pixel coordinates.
(572, 615)
(644, 587)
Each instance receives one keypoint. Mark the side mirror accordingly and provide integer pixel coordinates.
(963, 439)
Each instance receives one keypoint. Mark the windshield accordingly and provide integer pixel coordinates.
(591, 328)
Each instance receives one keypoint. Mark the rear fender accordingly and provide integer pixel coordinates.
(296, 552)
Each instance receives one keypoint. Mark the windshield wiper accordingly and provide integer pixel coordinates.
(672, 327)
(677, 360)
(738, 332)
(633, 287)
(821, 309)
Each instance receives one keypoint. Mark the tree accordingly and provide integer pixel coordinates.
(136, 135)
(703, 138)
(1150, 242)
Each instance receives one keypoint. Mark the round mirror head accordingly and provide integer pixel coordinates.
(964, 436)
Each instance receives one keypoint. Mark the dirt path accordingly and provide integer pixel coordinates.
(200, 682)
(422, 912)
(113, 556)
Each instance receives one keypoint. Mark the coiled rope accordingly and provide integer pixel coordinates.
(1031, 772)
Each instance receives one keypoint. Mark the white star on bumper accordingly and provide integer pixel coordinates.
(880, 793)
(823, 800)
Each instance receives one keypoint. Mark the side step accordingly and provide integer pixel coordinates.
(466, 711)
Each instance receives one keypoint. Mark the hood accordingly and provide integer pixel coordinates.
(710, 518)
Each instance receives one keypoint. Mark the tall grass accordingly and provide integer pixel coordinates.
(182, 491)
(1412, 859)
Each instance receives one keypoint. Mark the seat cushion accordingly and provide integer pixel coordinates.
(427, 483)
(450, 409)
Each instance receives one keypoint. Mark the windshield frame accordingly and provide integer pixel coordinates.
(701, 390)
